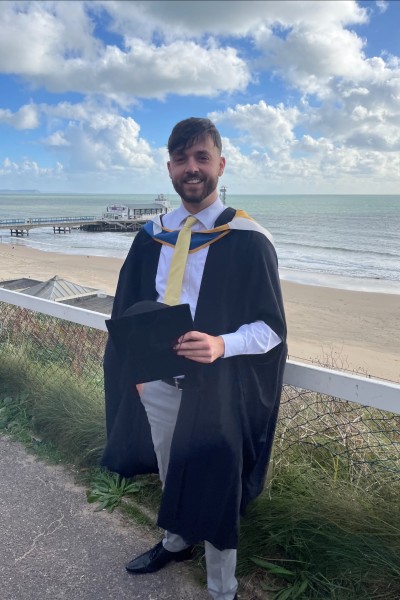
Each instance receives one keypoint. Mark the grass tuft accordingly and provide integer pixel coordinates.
(108, 489)
(337, 541)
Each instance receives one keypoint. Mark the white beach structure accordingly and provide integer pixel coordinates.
(63, 291)
(143, 211)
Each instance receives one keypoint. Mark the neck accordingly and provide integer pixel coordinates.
(195, 208)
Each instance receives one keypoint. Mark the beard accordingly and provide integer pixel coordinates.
(198, 193)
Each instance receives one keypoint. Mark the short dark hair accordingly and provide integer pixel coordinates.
(189, 131)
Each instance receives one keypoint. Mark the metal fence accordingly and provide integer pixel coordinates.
(344, 422)
(55, 345)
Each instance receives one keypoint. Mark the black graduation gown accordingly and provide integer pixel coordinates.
(225, 427)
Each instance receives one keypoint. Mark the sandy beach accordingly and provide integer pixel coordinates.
(358, 331)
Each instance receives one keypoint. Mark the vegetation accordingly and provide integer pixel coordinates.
(328, 525)
(109, 489)
(324, 539)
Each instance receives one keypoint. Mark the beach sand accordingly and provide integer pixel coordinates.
(358, 331)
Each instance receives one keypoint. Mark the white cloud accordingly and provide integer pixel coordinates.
(89, 137)
(355, 91)
(265, 126)
(79, 111)
(165, 47)
(24, 118)
(59, 51)
(382, 5)
(35, 37)
(310, 144)
(278, 158)
(322, 167)
(311, 56)
(236, 161)
(28, 167)
(181, 19)
(240, 18)
(361, 116)
(146, 70)
(266, 152)
(343, 119)
(56, 139)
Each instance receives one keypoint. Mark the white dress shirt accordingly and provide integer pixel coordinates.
(250, 338)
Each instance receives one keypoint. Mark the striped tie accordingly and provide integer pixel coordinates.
(178, 263)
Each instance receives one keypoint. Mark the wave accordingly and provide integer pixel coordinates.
(317, 247)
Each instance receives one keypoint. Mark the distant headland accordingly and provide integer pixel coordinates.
(5, 191)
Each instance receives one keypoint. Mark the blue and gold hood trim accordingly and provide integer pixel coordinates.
(206, 237)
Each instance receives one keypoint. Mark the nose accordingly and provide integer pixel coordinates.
(191, 165)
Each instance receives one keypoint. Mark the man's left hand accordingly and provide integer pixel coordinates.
(200, 347)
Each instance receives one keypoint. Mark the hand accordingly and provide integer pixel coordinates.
(200, 347)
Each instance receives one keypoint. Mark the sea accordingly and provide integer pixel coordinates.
(341, 241)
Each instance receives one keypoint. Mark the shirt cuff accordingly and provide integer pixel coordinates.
(251, 338)
(234, 344)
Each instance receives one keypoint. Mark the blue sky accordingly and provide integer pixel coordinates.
(306, 94)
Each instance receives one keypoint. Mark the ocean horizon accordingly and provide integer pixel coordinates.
(341, 241)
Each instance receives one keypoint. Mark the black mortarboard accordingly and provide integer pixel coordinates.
(144, 338)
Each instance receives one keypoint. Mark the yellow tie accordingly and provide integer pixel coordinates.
(178, 263)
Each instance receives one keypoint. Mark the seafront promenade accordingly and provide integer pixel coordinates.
(53, 544)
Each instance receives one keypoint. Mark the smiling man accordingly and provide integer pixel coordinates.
(195, 170)
(208, 434)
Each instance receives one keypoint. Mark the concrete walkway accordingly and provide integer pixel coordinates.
(53, 545)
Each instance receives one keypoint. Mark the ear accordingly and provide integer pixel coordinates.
(222, 163)
(169, 168)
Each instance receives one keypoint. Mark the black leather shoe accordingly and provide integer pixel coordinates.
(156, 558)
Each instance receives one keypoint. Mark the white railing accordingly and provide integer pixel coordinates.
(55, 309)
(355, 388)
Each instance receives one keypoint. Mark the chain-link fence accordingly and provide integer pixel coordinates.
(53, 359)
(349, 440)
(53, 345)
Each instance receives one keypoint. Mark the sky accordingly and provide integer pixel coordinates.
(305, 94)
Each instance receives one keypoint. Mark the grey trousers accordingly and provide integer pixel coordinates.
(161, 402)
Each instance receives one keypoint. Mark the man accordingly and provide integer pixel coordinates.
(210, 433)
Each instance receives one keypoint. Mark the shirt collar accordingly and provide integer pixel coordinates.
(206, 217)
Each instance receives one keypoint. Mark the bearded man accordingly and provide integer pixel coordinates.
(208, 434)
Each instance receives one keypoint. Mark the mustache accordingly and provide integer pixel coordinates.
(193, 176)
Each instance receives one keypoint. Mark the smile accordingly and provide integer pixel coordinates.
(193, 180)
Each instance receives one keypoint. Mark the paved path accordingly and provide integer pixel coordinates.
(53, 545)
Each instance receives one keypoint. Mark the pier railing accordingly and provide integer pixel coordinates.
(331, 413)
(61, 224)
(46, 220)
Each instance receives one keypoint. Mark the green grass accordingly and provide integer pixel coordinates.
(108, 489)
(61, 418)
(328, 527)
(336, 540)
(57, 406)
(71, 415)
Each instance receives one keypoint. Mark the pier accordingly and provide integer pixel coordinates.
(21, 227)
(117, 217)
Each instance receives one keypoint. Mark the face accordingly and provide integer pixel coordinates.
(194, 173)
